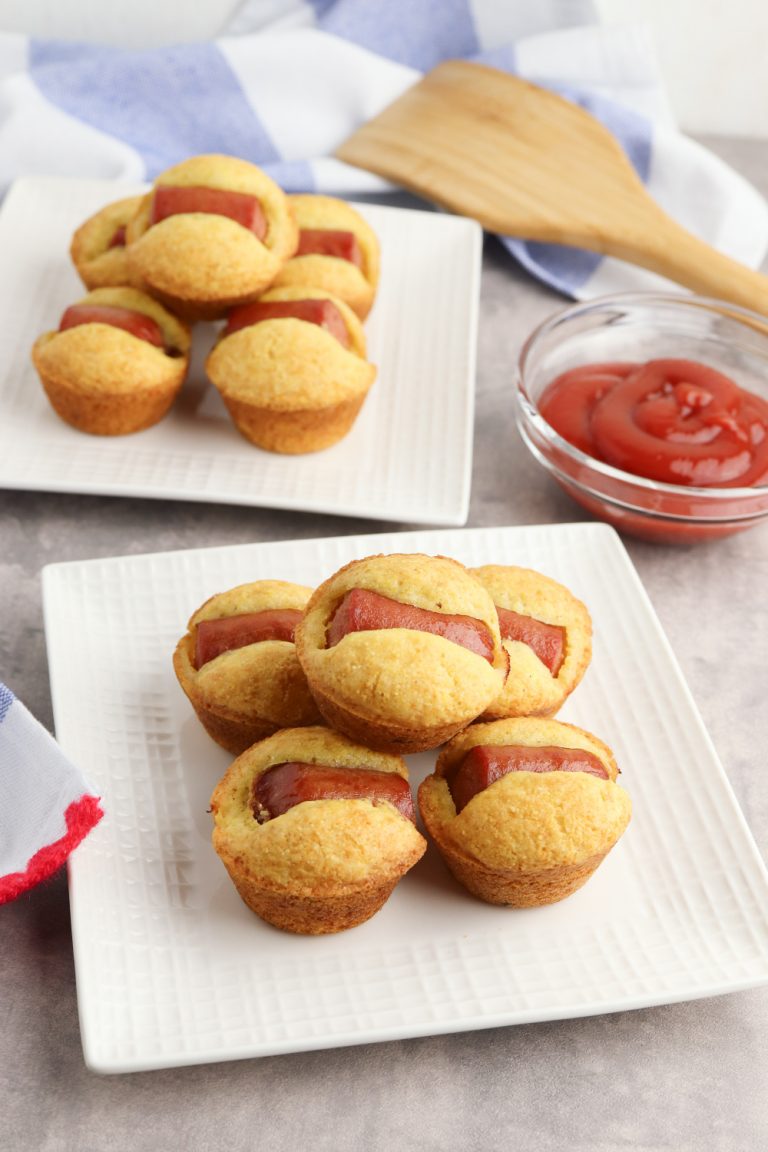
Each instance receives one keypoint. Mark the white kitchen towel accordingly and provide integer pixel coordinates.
(46, 806)
(288, 80)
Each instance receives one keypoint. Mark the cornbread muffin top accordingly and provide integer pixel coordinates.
(531, 689)
(99, 265)
(320, 846)
(529, 821)
(256, 596)
(100, 359)
(205, 257)
(405, 676)
(292, 364)
(356, 286)
(258, 680)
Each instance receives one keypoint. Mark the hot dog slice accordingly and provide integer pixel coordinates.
(118, 238)
(546, 640)
(228, 632)
(285, 785)
(321, 312)
(365, 611)
(486, 763)
(169, 200)
(327, 242)
(134, 322)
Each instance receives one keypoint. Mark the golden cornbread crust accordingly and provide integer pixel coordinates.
(324, 865)
(202, 264)
(356, 286)
(529, 838)
(98, 265)
(106, 381)
(531, 689)
(288, 384)
(294, 433)
(248, 693)
(397, 688)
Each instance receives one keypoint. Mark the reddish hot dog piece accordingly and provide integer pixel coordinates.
(134, 322)
(327, 242)
(483, 765)
(285, 785)
(169, 200)
(324, 313)
(546, 640)
(365, 611)
(118, 238)
(228, 632)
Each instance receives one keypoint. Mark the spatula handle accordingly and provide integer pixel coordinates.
(672, 251)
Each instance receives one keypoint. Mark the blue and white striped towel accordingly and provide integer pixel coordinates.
(290, 79)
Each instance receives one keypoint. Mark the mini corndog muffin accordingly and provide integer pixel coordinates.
(237, 663)
(338, 251)
(98, 246)
(116, 362)
(547, 633)
(401, 651)
(523, 810)
(314, 830)
(214, 232)
(291, 369)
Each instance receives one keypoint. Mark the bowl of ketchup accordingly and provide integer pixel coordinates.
(651, 411)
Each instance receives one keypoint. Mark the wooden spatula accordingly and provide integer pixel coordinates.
(525, 162)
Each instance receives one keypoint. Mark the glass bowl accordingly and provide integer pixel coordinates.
(641, 326)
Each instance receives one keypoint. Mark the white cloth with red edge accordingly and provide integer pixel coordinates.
(46, 805)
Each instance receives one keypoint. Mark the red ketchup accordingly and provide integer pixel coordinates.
(671, 421)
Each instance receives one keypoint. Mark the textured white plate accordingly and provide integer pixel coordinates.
(173, 969)
(408, 457)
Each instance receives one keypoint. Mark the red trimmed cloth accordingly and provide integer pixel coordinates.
(46, 806)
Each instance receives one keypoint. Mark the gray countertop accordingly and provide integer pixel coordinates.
(688, 1077)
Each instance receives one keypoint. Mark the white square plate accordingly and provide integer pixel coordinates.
(173, 969)
(408, 457)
